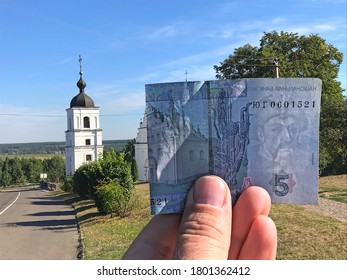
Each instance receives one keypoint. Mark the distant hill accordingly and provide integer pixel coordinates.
(51, 147)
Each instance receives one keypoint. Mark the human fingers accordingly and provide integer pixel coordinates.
(261, 241)
(205, 228)
(254, 201)
(157, 239)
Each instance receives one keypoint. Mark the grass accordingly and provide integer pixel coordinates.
(108, 238)
(302, 234)
(334, 187)
(306, 235)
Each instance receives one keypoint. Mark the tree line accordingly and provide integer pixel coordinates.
(51, 147)
(19, 171)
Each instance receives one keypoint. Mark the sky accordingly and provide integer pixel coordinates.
(126, 44)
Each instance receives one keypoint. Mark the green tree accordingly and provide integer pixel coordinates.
(129, 156)
(6, 177)
(15, 171)
(32, 168)
(55, 168)
(300, 56)
(1, 162)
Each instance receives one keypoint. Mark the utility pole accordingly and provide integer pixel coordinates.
(276, 70)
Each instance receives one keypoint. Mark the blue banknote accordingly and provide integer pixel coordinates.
(249, 132)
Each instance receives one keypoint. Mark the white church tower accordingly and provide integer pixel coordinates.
(141, 151)
(83, 135)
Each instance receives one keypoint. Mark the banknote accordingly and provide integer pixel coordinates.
(260, 132)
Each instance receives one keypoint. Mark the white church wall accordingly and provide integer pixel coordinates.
(83, 144)
(141, 151)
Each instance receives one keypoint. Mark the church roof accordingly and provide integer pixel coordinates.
(82, 99)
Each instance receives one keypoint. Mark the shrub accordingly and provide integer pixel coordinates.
(114, 199)
(86, 178)
(111, 166)
(68, 184)
(108, 182)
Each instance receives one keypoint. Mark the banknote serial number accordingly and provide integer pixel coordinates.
(284, 104)
(206, 270)
(159, 201)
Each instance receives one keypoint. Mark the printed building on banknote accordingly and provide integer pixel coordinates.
(173, 141)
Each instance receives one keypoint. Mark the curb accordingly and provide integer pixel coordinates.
(80, 247)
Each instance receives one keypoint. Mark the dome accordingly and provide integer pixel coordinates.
(81, 99)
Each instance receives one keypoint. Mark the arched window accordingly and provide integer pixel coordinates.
(86, 122)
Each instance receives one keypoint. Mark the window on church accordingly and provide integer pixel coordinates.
(87, 142)
(86, 122)
(202, 157)
(88, 157)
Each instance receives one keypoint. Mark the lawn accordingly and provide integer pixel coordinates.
(333, 187)
(108, 238)
(302, 234)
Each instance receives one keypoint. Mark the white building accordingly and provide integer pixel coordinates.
(141, 151)
(83, 135)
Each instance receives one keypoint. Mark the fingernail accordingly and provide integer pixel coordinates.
(210, 190)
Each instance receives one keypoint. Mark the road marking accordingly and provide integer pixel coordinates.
(3, 211)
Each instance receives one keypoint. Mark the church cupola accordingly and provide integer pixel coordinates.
(81, 99)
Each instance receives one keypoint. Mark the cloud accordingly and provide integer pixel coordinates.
(103, 90)
(148, 77)
(324, 27)
(63, 61)
(228, 7)
(176, 29)
(161, 33)
(278, 20)
(126, 100)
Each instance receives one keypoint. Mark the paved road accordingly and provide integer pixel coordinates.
(35, 225)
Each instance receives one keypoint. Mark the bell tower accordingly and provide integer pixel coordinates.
(83, 135)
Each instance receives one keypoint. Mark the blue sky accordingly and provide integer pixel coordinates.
(126, 44)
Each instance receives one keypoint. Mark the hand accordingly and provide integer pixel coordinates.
(210, 228)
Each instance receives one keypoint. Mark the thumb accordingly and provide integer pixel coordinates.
(205, 227)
